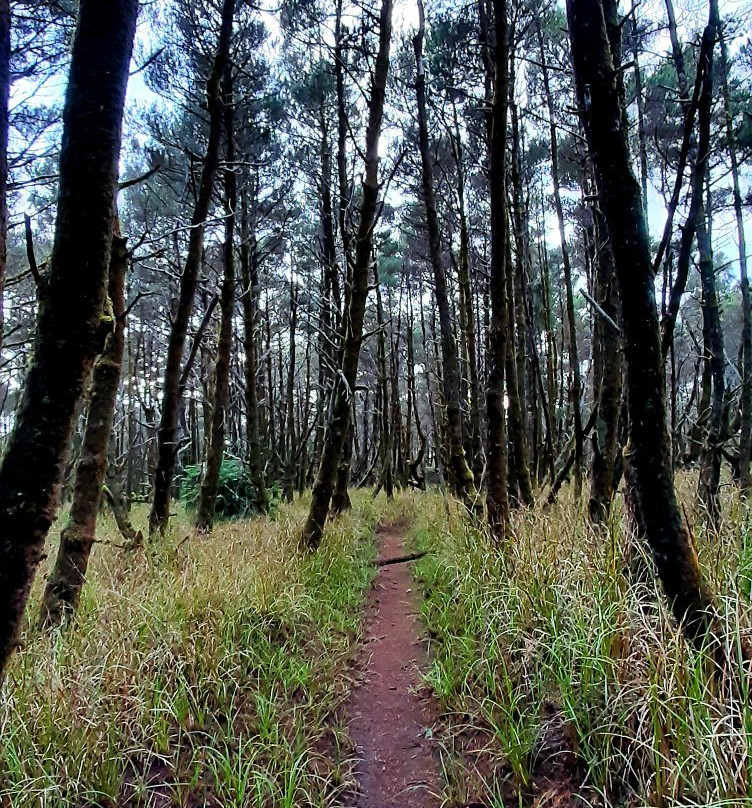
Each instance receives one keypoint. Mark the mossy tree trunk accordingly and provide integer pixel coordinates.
(745, 403)
(65, 581)
(73, 322)
(5, 53)
(598, 82)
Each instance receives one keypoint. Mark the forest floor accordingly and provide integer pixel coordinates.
(232, 671)
(392, 712)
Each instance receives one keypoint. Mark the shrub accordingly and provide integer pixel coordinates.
(236, 495)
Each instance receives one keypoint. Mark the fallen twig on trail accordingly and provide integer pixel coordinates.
(383, 562)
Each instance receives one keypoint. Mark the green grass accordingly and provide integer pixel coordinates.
(553, 625)
(206, 669)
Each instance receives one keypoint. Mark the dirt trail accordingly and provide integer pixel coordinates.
(390, 712)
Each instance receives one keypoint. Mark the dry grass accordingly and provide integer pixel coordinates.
(211, 671)
(202, 671)
(555, 631)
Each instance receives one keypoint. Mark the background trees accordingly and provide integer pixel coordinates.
(465, 322)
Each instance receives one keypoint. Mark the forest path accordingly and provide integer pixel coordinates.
(390, 709)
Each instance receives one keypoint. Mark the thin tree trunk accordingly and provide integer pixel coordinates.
(710, 463)
(466, 301)
(642, 137)
(249, 278)
(215, 446)
(72, 322)
(574, 357)
(167, 443)
(461, 475)
(518, 434)
(5, 55)
(386, 475)
(745, 403)
(290, 459)
(701, 156)
(344, 386)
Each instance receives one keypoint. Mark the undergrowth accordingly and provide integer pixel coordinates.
(550, 646)
(203, 671)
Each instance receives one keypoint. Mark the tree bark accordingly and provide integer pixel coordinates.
(72, 322)
(701, 154)
(344, 385)
(167, 443)
(65, 581)
(386, 475)
(607, 380)
(710, 461)
(215, 445)
(496, 445)
(249, 278)
(598, 83)
(518, 434)
(466, 302)
(290, 434)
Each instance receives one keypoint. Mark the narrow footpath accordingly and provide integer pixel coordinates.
(391, 712)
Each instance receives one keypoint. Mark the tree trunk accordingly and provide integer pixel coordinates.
(72, 322)
(607, 379)
(496, 447)
(598, 84)
(215, 445)
(289, 420)
(66, 580)
(5, 55)
(745, 403)
(518, 473)
(701, 156)
(710, 461)
(167, 441)
(518, 434)
(461, 475)
(642, 135)
(249, 278)
(352, 336)
(466, 302)
(386, 475)
(574, 356)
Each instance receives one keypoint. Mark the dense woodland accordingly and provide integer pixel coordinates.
(257, 257)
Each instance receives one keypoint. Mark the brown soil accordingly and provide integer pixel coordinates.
(391, 712)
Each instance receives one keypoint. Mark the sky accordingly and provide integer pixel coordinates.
(691, 15)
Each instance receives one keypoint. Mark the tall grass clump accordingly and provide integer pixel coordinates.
(559, 643)
(202, 671)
